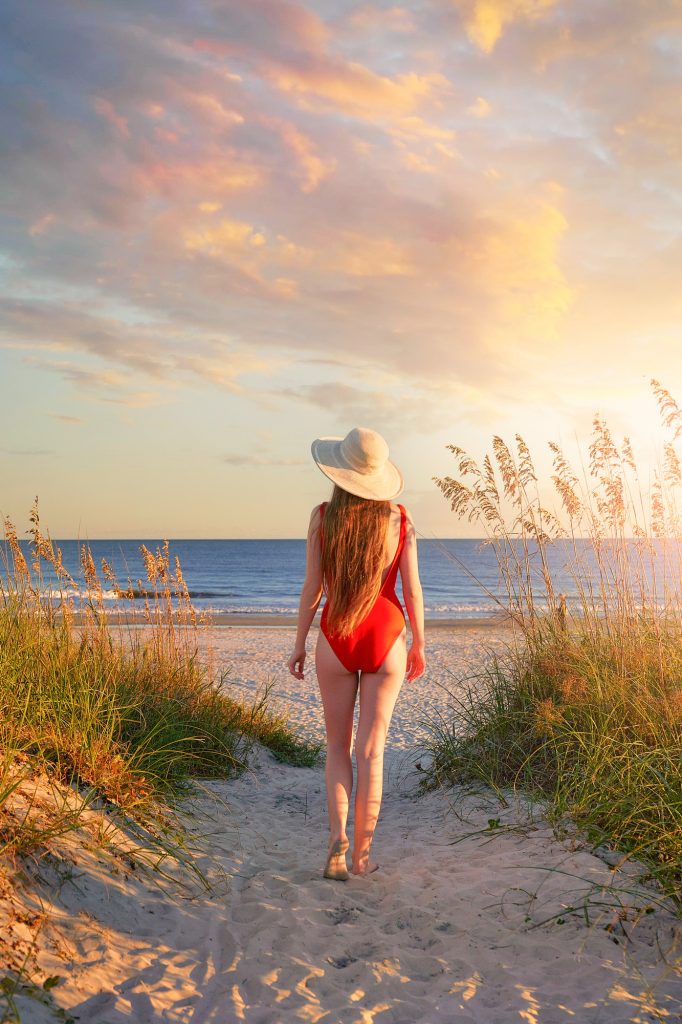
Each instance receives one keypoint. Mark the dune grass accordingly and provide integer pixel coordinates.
(585, 710)
(125, 720)
(132, 714)
(99, 714)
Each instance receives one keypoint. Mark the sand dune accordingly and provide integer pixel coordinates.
(461, 923)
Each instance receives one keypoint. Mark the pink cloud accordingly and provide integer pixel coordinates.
(105, 108)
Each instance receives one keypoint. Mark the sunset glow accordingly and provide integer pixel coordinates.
(229, 229)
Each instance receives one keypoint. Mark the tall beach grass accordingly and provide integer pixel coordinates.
(585, 710)
(126, 720)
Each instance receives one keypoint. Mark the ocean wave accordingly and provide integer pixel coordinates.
(248, 609)
(462, 607)
(122, 594)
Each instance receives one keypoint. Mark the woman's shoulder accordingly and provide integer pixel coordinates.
(397, 508)
(406, 521)
(316, 516)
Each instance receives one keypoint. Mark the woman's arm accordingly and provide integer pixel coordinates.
(311, 594)
(414, 600)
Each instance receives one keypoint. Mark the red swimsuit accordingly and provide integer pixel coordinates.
(366, 648)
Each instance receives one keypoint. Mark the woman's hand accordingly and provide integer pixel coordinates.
(295, 662)
(415, 662)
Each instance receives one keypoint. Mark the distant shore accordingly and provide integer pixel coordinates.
(290, 621)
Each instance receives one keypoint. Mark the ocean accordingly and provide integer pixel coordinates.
(261, 577)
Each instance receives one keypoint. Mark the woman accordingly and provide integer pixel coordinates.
(357, 542)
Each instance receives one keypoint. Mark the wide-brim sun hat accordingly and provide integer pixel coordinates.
(359, 463)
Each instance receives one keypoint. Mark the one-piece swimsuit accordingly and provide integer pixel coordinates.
(366, 648)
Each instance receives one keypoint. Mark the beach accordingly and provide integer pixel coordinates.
(253, 657)
(366, 308)
(463, 921)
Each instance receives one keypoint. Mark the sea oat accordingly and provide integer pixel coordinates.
(565, 482)
(615, 504)
(490, 479)
(526, 467)
(108, 573)
(150, 564)
(21, 568)
(628, 455)
(488, 510)
(510, 477)
(572, 687)
(162, 562)
(671, 414)
(569, 498)
(466, 465)
(89, 569)
(657, 508)
(552, 523)
(547, 716)
(182, 588)
(458, 494)
(603, 453)
(672, 472)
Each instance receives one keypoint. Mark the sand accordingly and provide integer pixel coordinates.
(462, 922)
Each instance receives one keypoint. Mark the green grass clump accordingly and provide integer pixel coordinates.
(274, 731)
(565, 724)
(586, 710)
(116, 721)
(132, 718)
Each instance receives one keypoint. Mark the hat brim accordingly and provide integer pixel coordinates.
(384, 485)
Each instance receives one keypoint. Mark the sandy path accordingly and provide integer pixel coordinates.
(449, 929)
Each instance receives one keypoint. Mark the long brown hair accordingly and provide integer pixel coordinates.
(353, 553)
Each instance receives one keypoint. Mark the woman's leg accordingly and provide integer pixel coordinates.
(338, 688)
(378, 694)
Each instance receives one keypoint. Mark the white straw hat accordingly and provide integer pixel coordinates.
(359, 463)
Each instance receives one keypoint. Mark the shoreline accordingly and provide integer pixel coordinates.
(282, 621)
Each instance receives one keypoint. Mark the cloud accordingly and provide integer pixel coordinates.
(446, 195)
(155, 350)
(260, 459)
(312, 168)
(290, 46)
(356, 90)
(381, 20)
(41, 225)
(80, 376)
(391, 406)
(358, 255)
(247, 249)
(28, 451)
(481, 108)
(101, 386)
(485, 19)
(66, 418)
(106, 109)
(265, 25)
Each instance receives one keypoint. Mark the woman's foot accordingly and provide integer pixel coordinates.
(336, 866)
(370, 869)
(363, 865)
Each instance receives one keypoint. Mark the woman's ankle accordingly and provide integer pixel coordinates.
(360, 860)
(363, 866)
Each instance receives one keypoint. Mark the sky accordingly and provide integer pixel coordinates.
(229, 228)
